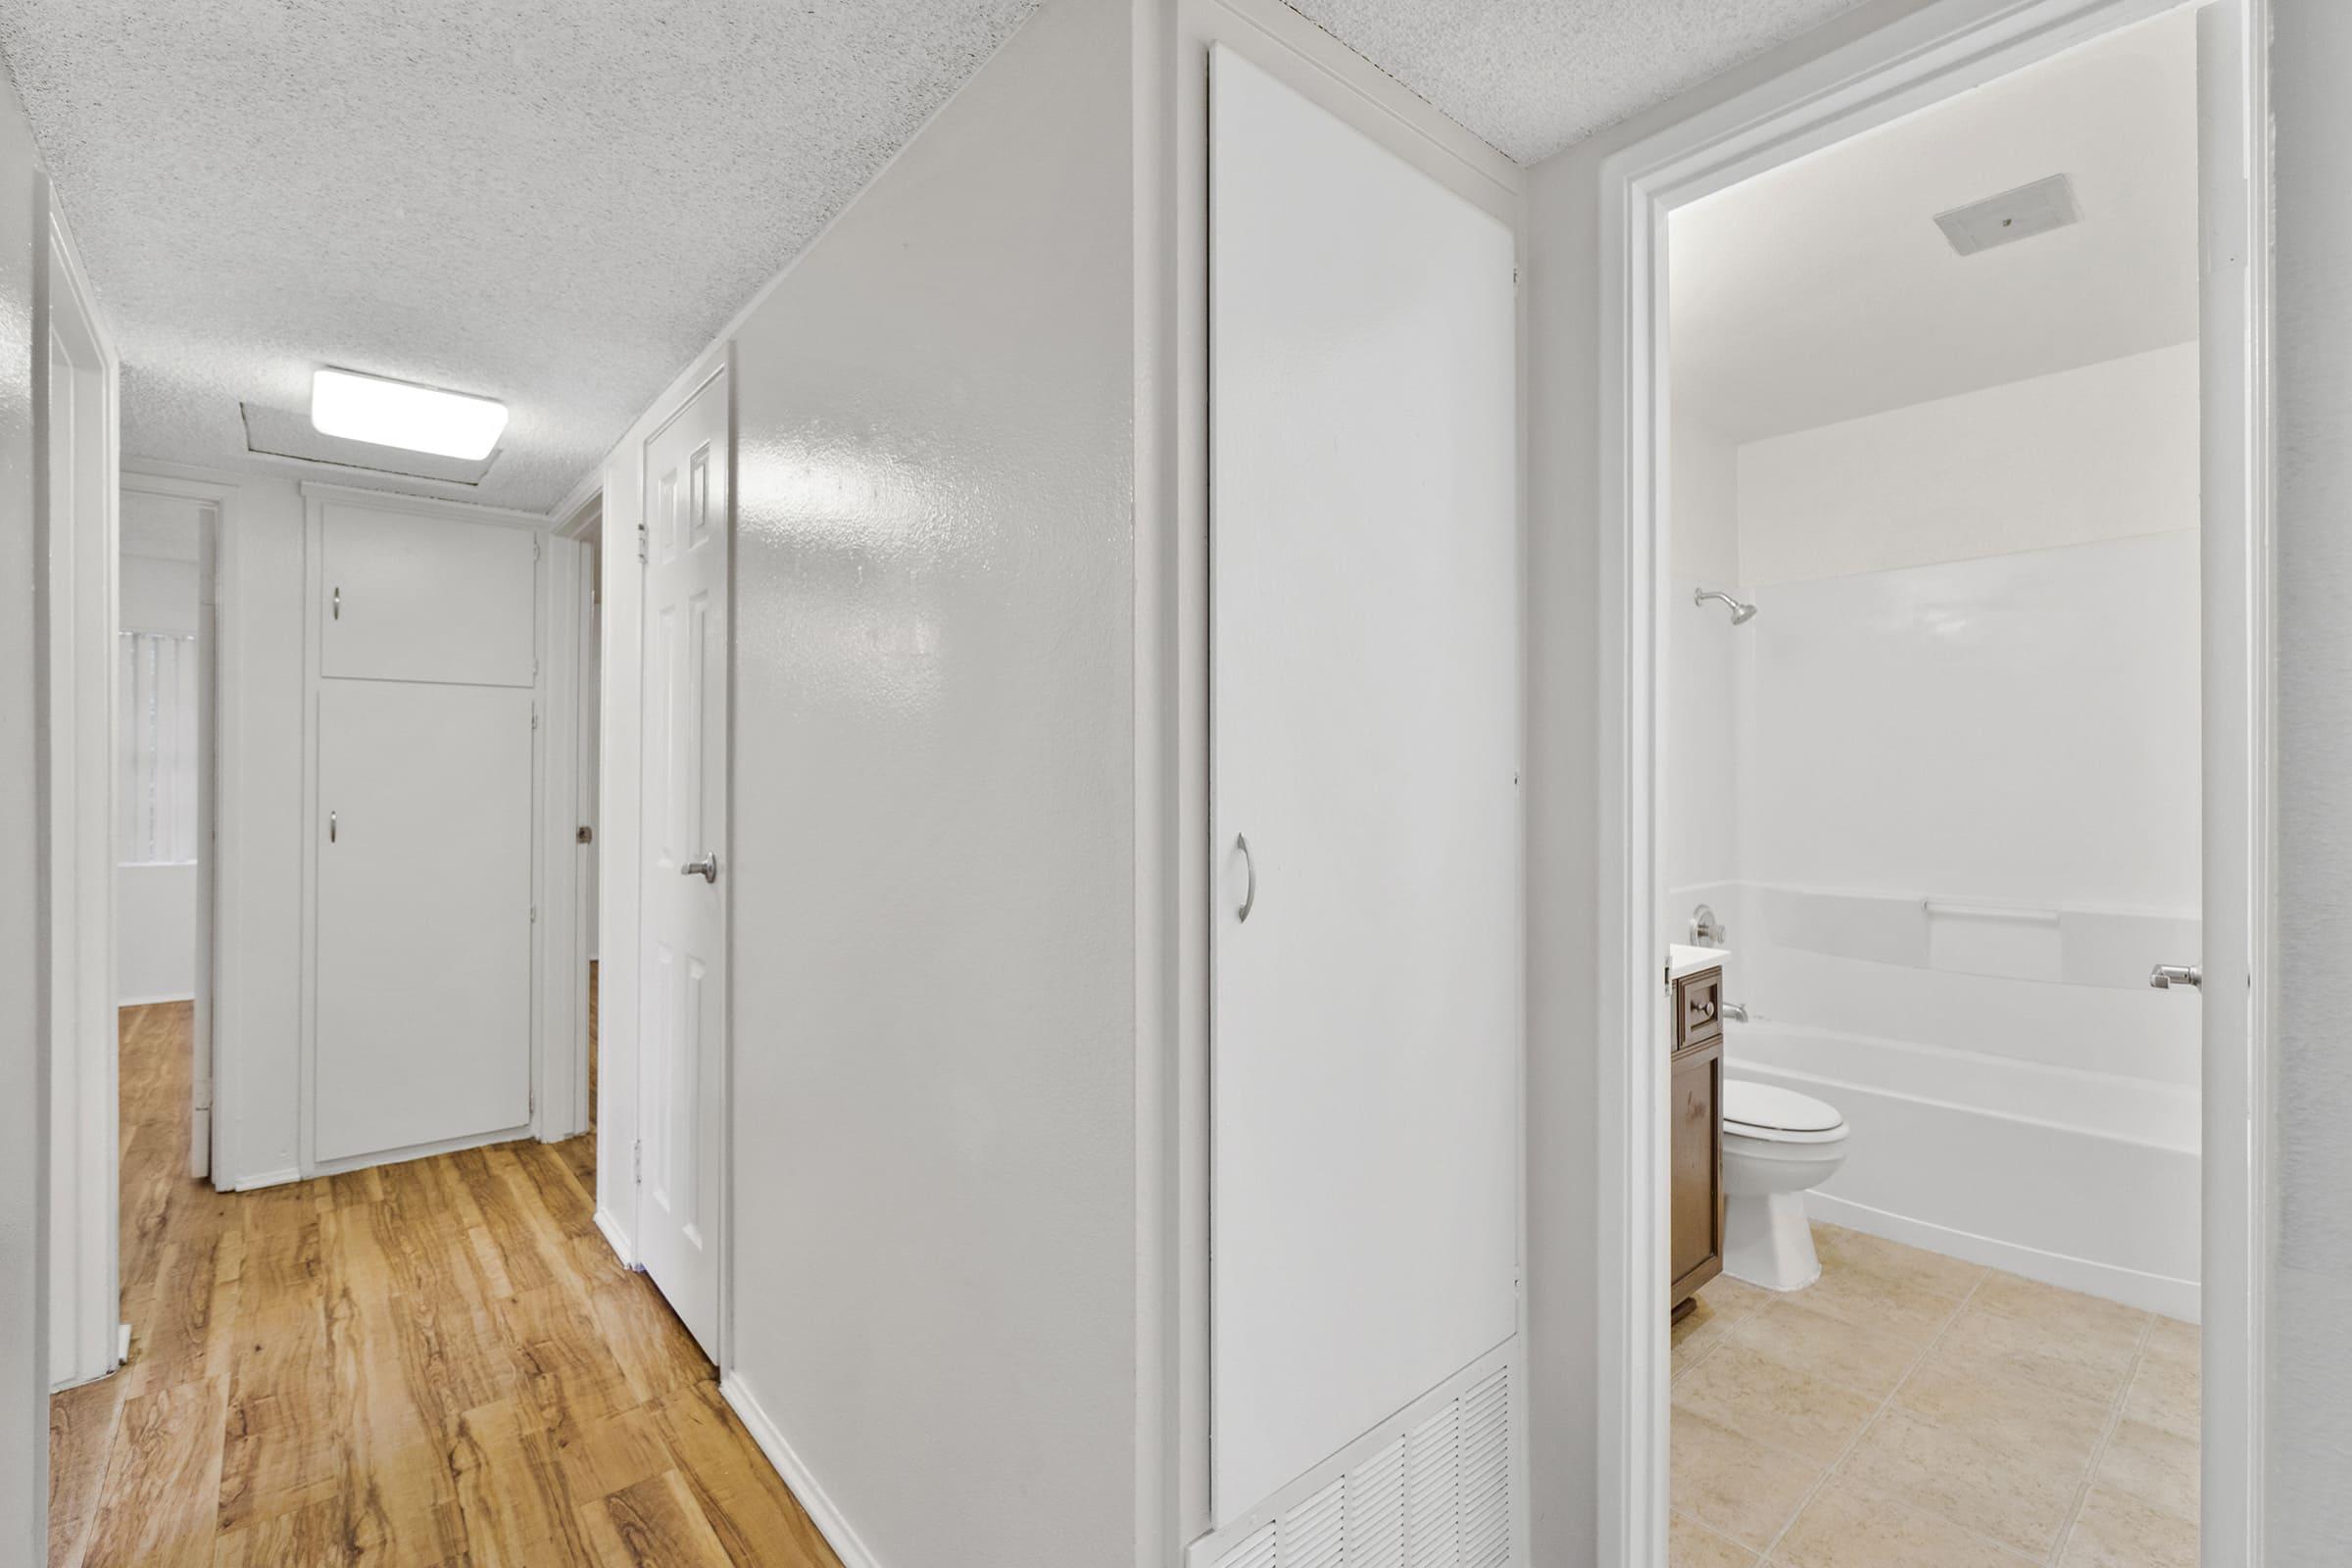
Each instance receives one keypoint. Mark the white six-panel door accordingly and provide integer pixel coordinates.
(682, 984)
(1364, 696)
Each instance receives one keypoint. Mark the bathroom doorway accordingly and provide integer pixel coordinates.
(1939, 674)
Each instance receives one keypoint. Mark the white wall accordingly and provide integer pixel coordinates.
(935, 1264)
(257, 1010)
(2105, 452)
(155, 906)
(23, 960)
(1698, 760)
(155, 933)
(158, 595)
(1975, 672)
(2308, 1417)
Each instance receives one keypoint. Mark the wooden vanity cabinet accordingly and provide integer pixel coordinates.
(1694, 1109)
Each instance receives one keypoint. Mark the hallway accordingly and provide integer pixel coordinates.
(436, 1363)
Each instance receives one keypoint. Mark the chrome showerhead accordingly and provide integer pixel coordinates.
(1742, 611)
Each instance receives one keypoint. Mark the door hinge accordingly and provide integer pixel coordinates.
(534, 914)
(641, 544)
(637, 1160)
(534, 705)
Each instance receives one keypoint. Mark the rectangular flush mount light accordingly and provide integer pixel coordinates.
(401, 414)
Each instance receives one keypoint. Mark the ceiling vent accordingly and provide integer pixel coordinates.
(277, 433)
(2012, 215)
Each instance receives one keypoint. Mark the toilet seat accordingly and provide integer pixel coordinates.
(1771, 1114)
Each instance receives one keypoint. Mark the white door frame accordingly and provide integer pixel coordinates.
(572, 547)
(616, 493)
(1943, 49)
(78, 375)
(218, 1014)
(316, 496)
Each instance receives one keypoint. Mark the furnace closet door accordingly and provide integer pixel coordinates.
(424, 915)
(1364, 691)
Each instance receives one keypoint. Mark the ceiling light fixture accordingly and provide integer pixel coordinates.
(401, 414)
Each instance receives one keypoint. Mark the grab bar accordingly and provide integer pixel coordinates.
(1990, 911)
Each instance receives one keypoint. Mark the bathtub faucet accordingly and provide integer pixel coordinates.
(1737, 1011)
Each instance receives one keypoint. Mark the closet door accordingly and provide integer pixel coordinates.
(1364, 688)
(423, 987)
(405, 597)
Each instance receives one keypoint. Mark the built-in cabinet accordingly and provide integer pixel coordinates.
(423, 737)
(1366, 1043)
(1694, 1103)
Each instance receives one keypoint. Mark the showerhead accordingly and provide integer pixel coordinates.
(1742, 611)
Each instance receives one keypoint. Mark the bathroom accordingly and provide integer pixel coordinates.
(1929, 822)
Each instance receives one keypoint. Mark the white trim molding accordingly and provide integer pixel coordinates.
(77, 461)
(821, 1508)
(1917, 58)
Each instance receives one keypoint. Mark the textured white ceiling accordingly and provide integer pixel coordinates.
(558, 202)
(1822, 290)
(552, 202)
(1532, 76)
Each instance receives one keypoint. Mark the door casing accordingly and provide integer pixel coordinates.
(77, 460)
(671, 904)
(1943, 49)
(618, 494)
(316, 498)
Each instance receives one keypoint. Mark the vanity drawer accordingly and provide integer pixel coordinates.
(1697, 1008)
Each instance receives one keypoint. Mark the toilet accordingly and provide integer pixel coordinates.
(1777, 1145)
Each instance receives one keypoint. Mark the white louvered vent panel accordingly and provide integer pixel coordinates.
(1436, 1496)
(1259, 1552)
(1376, 1510)
(1314, 1534)
(1432, 1460)
(1483, 1510)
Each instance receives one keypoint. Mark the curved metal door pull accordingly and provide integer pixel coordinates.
(1240, 842)
(706, 867)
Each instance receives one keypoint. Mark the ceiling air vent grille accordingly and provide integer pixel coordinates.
(2012, 215)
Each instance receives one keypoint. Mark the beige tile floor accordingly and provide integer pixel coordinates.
(1909, 1408)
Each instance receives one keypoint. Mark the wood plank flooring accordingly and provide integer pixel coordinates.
(437, 1364)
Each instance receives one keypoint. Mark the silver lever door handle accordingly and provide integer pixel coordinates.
(706, 867)
(1240, 842)
(2165, 976)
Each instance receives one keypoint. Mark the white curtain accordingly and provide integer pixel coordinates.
(158, 800)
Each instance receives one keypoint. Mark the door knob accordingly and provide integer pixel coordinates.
(706, 867)
(2165, 976)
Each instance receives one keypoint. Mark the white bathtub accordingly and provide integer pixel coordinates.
(2086, 1180)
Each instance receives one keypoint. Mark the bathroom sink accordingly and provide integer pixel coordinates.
(1682, 959)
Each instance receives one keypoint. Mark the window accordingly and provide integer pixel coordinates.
(157, 804)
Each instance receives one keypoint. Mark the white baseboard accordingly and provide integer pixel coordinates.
(2150, 1293)
(829, 1522)
(152, 1001)
(619, 1238)
(267, 1178)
